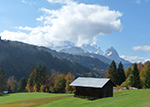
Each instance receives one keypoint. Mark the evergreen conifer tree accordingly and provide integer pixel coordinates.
(2, 80)
(22, 84)
(121, 74)
(134, 77)
(112, 72)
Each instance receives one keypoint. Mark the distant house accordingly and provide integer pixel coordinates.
(93, 87)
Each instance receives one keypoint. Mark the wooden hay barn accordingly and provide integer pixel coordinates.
(93, 87)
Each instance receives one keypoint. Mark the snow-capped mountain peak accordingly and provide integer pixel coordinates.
(92, 49)
(111, 53)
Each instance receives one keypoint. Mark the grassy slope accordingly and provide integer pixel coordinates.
(26, 96)
(131, 98)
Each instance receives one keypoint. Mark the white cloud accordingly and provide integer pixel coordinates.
(25, 28)
(60, 1)
(30, 3)
(40, 19)
(138, 1)
(81, 23)
(134, 59)
(73, 22)
(24, 1)
(142, 48)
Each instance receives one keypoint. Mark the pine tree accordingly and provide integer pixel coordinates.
(43, 76)
(121, 74)
(37, 77)
(22, 84)
(134, 77)
(112, 72)
(44, 72)
(2, 80)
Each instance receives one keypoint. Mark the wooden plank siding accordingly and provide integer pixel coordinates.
(106, 91)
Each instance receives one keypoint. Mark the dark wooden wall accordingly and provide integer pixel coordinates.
(106, 91)
(89, 92)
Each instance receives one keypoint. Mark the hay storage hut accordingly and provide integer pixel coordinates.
(93, 87)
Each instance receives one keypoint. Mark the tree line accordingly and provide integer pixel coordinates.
(117, 75)
(138, 75)
(38, 81)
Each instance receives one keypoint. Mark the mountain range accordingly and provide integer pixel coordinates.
(96, 52)
(17, 59)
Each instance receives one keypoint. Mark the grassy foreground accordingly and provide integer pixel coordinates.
(127, 98)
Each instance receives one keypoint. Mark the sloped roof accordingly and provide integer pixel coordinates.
(90, 82)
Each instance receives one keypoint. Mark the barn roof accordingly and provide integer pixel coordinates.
(90, 82)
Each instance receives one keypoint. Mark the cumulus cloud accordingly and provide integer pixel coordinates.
(141, 48)
(72, 23)
(134, 59)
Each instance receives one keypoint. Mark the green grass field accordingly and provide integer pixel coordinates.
(127, 98)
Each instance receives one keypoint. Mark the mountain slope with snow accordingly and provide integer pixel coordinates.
(73, 50)
(96, 52)
(80, 51)
(112, 54)
(92, 49)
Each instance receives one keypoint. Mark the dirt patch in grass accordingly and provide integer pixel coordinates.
(32, 102)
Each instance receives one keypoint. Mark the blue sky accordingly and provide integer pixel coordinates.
(123, 24)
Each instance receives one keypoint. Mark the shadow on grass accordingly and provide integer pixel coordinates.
(4, 95)
(33, 102)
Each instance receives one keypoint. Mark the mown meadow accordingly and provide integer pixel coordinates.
(126, 98)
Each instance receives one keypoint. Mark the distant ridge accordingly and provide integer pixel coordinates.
(17, 59)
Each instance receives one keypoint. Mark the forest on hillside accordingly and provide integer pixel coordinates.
(138, 75)
(38, 81)
(18, 60)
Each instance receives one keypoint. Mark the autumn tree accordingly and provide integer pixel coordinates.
(50, 81)
(37, 78)
(69, 78)
(30, 84)
(12, 84)
(59, 84)
(42, 88)
(145, 76)
(140, 67)
(2, 80)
